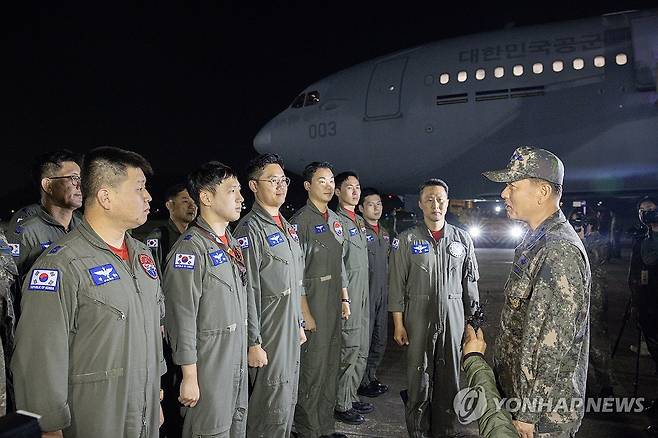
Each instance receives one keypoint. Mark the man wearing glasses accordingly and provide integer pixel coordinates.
(58, 176)
(275, 270)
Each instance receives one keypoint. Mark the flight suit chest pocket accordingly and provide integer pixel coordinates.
(218, 305)
(275, 274)
(99, 305)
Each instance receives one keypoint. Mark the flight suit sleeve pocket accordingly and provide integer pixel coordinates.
(98, 376)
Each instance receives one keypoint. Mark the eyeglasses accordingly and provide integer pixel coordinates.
(75, 179)
(276, 181)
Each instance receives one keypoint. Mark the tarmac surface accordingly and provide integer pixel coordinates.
(388, 418)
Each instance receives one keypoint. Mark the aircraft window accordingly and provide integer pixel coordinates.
(517, 70)
(444, 78)
(479, 74)
(621, 59)
(461, 76)
(599, 61)
(537, 68)
(499, 72)
(558, 66)
(312, 97)
(299, 101)
(578, 64)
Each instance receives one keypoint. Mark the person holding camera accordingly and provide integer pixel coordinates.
(598, 252)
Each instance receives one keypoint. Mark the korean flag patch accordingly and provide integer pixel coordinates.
(274, 239)
(243, 242)
(396, 243)
(184, 261)
(103, 274)
(152, 243)
(15, 249)
(420, 247)
(44, 279)
(218, 257)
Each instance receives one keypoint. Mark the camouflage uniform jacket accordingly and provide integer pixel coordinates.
(541, 353)
(8, 276)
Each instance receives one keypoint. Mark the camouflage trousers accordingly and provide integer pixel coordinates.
(599, 348)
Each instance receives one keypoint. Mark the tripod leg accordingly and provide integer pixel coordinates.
(623, 326)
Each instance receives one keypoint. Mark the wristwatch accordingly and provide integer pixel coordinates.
(346, 300)
(302, 323)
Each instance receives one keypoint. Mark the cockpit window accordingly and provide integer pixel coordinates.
(299, 101)
(312, 98)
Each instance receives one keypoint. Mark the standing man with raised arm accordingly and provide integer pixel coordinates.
(355, 330)
(88, 354)
(275, 272)
(542, 350)
(325, 283)
(206, 301)
(379, 248)
(433, 283)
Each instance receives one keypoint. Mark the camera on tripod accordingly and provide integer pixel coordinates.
(578, 221)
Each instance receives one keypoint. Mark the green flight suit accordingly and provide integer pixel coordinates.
(22, 214)
(275, 273)
(542, 349)
(493, 423)
(435, 285)
(35, 234)
(355, 332)
(160, 240)
(88, 354)
(379, 248)
(206, 323)
(324, 276)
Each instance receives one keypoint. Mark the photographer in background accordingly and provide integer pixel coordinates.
(643, 282)
(598, 252)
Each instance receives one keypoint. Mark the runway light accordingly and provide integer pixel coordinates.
(516, 231)
(497, 208)
(474, 231)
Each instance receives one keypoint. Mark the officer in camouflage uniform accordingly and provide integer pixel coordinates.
(206, 301)
(58, 176)
(8, 278)
(275, 271)
(88, 354)
(322, 239)
(598, 250)
(182, 211)
(433, 284)
(379, 247)
(542, 350)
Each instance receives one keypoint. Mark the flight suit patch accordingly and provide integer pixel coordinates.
(338, 229)
(15, 249)
(420, 247)
(293, 233)
(274, 239)
(148, 265)
(55, 249)
(370, 238)
(319, 229)
(386, 238)
(243, 242)
(103, 274)
(152, 243)
(457, 249)
(396, 243)
(184, 261)
(44, 279)
(45, 245)
(218, 257)
(187, 237)
(19, 229)
(353, 232)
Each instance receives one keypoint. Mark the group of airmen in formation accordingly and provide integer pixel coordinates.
(277, 327)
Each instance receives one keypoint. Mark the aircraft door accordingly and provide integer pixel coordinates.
(383, 98)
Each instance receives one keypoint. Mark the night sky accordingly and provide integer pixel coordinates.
(188, 84)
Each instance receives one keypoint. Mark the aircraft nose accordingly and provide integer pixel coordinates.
(263, 140)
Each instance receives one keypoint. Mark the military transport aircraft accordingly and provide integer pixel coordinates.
(584, 89)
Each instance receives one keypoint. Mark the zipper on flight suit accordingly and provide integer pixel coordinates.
(120, 314)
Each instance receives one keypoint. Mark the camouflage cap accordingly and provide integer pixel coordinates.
(529, 162)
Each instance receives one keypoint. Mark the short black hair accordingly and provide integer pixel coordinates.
(432, 182)
(174, 190)
(206, 177)
(368, 191)
(107, 165)
(256, 166)
(47, 164)
(647, 198)
(311, 168)
(341, 177)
